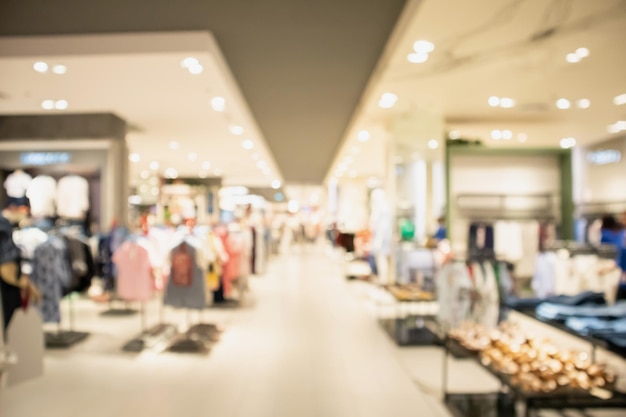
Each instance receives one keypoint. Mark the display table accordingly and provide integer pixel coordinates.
(514, 401)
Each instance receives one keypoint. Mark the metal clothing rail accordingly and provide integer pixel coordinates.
(600, 208)
(506, 206)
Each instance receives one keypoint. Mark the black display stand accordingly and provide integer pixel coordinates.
(63, 339)
(414, 330)
(512, 401)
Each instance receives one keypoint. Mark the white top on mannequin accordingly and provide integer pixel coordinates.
(41, 192)
(17, 183)
(72, 197)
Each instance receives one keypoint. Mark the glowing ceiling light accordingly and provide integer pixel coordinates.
(417, 57)
(276, 184)
(563, 104)
(203, 174)
(496, 135)
(145, 174)
(507, 135)
(192, 156)
(218, 104)
(522, 137)
(247, 144)
(189, 62)
(206, 165)
(433, 144)
(154, 165)
(171, 173)
(40, 67)
(620, 100)
(134, 157)
(61, 105)
(174, 145)
(196, 69)
(507, 102)
(387, 100)
(582, 52)
(47, 104)
(59, 69)
(583, 103)
(567, 143)
(494, 101)
(236, 129)
(424, 47)
(454, 134)
(363, 136)
(572, 58)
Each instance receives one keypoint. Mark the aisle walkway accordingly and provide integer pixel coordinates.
(305, 349)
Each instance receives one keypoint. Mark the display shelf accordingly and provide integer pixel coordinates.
(593, 341)
(527, 402)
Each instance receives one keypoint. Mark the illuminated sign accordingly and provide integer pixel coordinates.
(45, 158)
(604, 157)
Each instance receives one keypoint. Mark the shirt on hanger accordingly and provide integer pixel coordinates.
(41, 192)
(72, 197)
(134, 272)
(17, 183)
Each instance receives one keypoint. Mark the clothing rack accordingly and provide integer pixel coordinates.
(597, 209)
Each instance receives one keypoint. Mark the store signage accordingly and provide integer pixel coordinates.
(45, 158)
(604, 156)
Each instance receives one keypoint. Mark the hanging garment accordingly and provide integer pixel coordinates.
(17, 183)
(453, 290)
(481, 241)
(52, 274)
(543, 279)
(490, 297)
(134, 278)
(508, 241)
(72, 198)
(186, 284)
(82, 264)
(41, 193)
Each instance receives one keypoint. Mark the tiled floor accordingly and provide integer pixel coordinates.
(307, 347)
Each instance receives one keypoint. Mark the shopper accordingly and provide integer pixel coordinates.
(12, 282)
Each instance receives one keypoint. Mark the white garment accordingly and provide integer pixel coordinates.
(17, 183)
(72, 197)
(530, 243)
(41, 192)
(508, 241)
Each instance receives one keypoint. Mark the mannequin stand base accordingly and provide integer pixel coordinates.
(117, 312)
(150, 338)
(64, 339)
(187, 343)
(205, 331)
(226, 304)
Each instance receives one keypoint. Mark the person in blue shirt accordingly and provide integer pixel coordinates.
(614, 233)
(441, 232)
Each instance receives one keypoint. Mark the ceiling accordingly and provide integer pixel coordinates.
(515, 49)
(140, 78)
(302, 65)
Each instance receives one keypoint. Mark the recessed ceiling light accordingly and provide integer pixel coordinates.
(61, 104)
(171, 173)
(134, 157)
(145, 174)
(192, 156)
(387, 100)
(423, 46)
(454, 134)
(496, 135)
(417, 57)
(196, 69)
(276, 184)
(563, 103)
(203, 174)
(154, 165)
(247, 144)
(567, 143)
(617, 127)
(236, 129)
(218, 171)
(494, 101)
(363, 136)
(174, 145)
(59, 69)
(433, 144)
(583, 103)
(522, 137)
(154, 191)
(582, 52)
(261, 164)
(189, 62)
(218, 103)
(620, 100)
(507, 102)
(40, 66)
(47, 104)
(206, 165)
(507, 135)
(572, 58)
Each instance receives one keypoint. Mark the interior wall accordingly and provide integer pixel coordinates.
(604, 182)
(509, 175)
